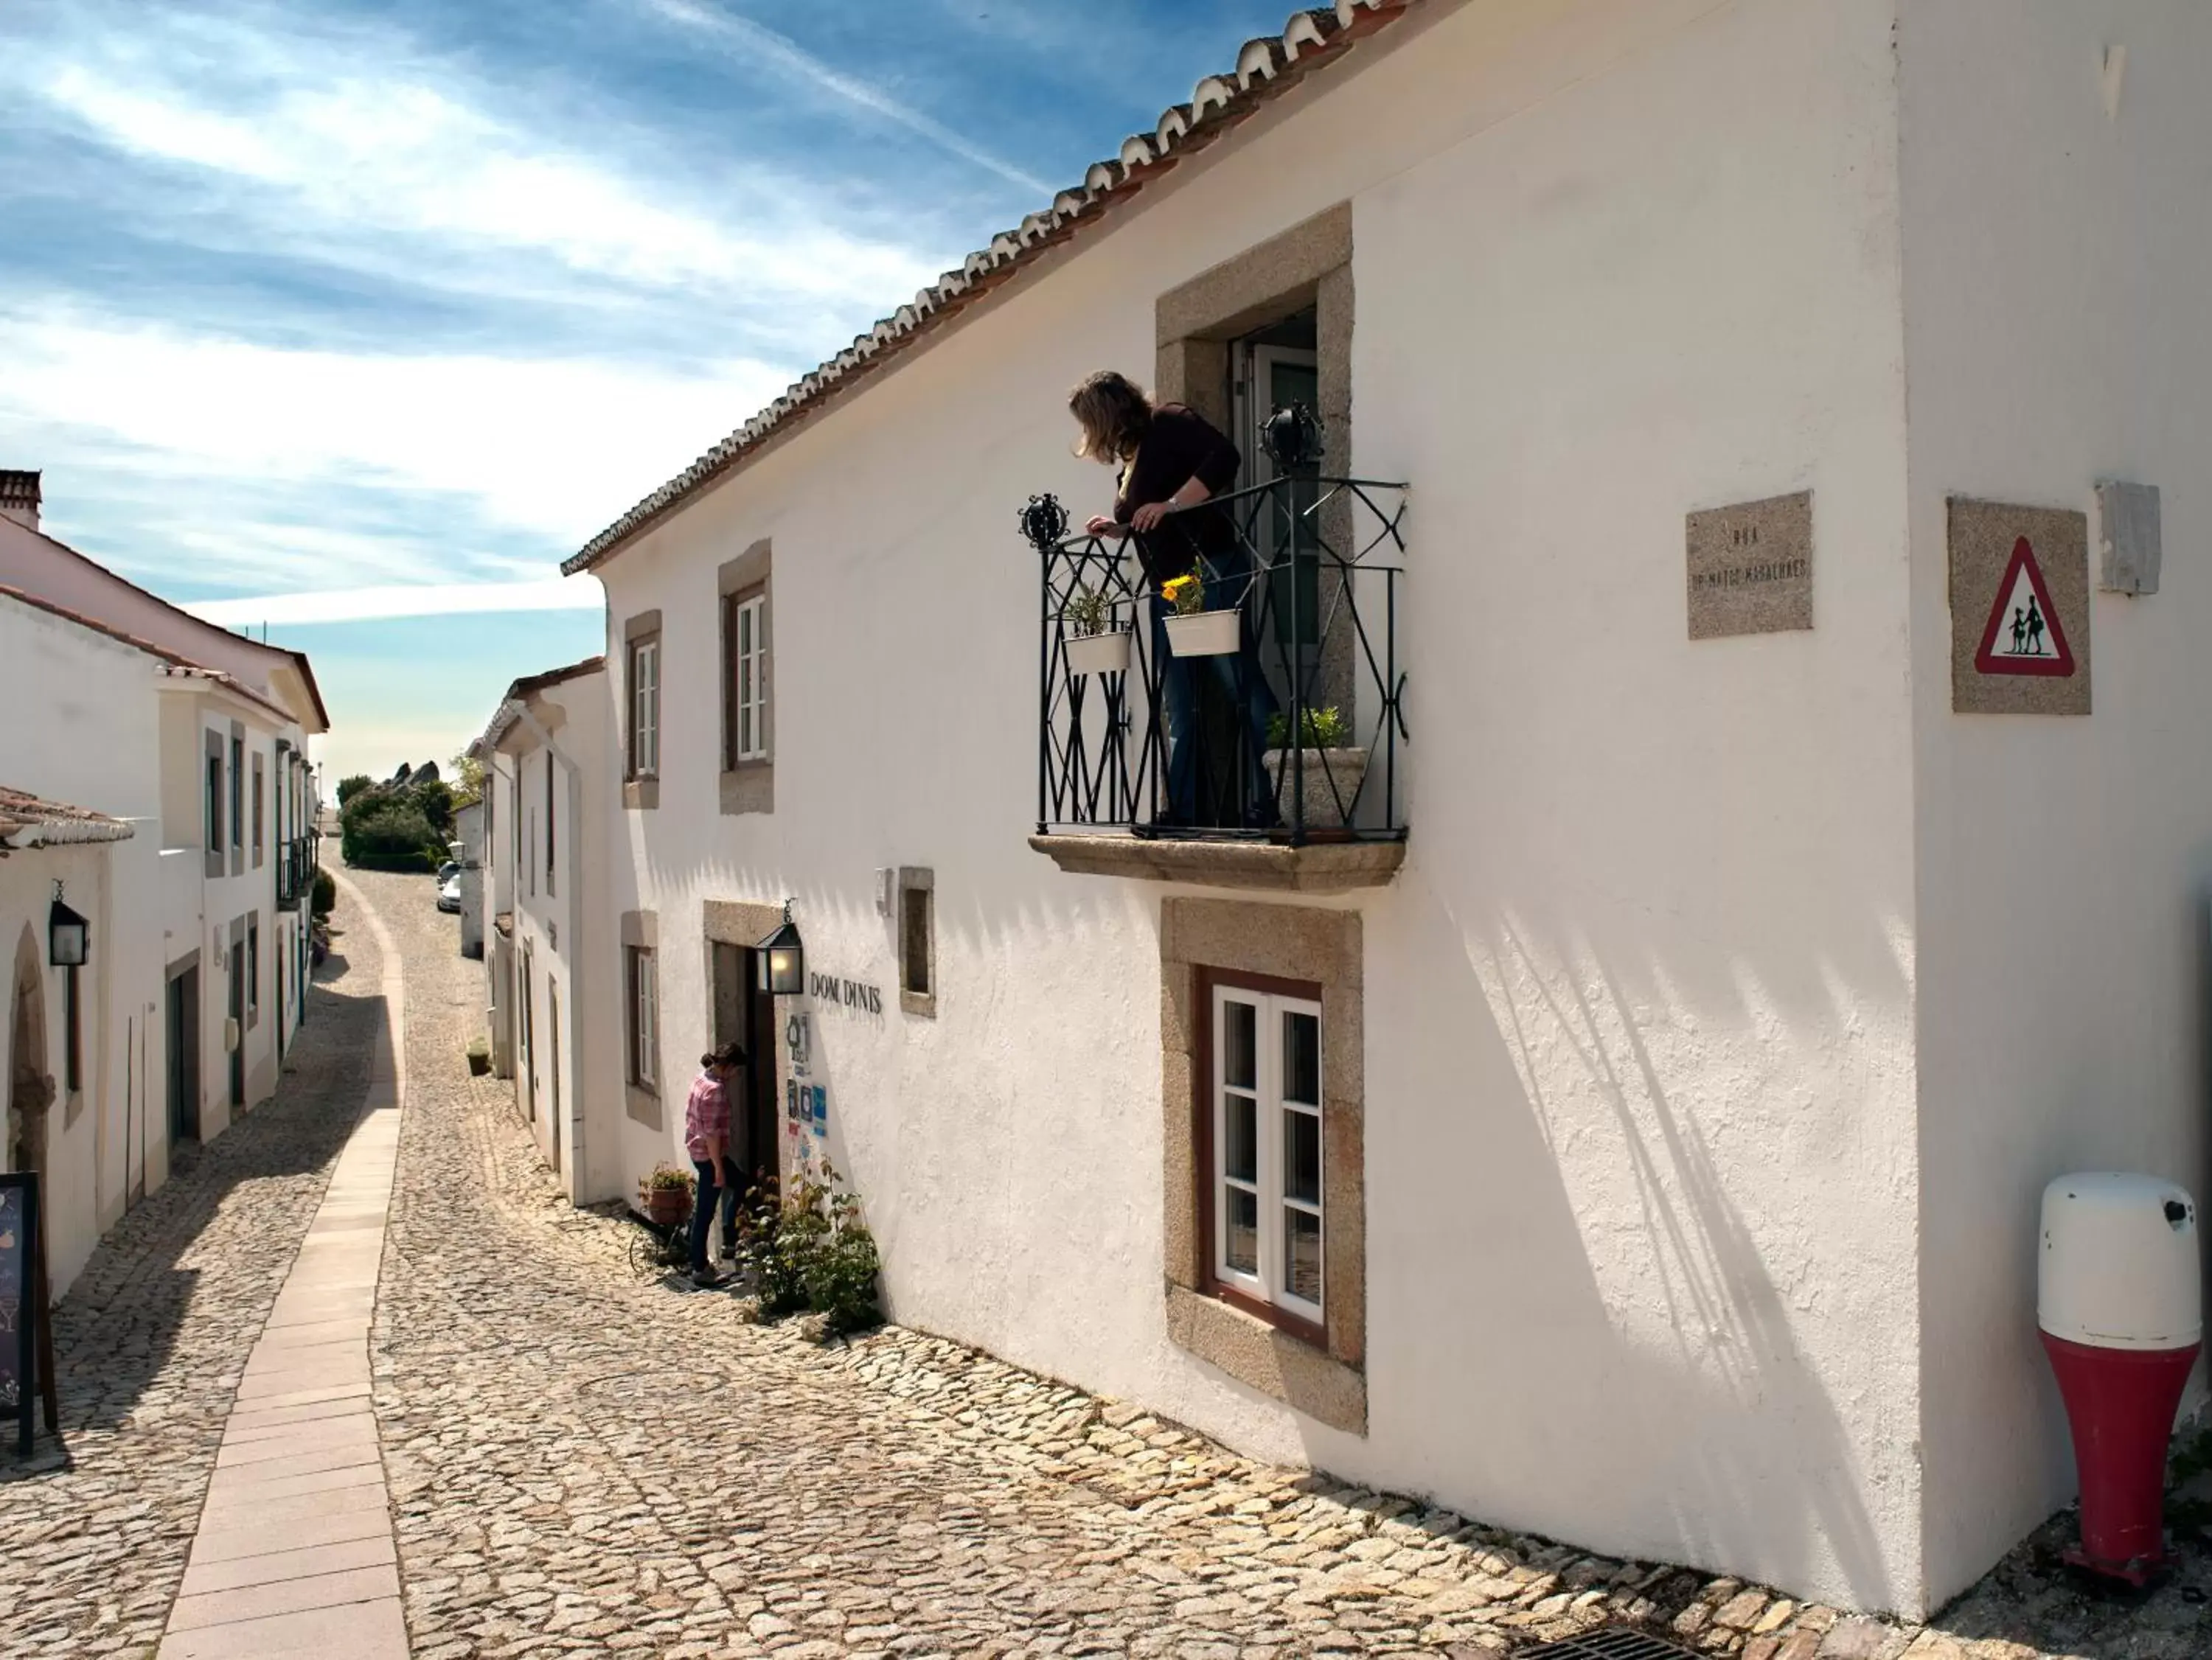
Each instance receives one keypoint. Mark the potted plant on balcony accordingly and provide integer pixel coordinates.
(665, 1194)
(1330, 774)
(1193, 631)
(1094, 645)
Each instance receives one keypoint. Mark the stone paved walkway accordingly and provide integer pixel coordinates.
(152, 1341)
(294, 1555)
(580, 1462)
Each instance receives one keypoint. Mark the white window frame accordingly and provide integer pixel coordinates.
(749, 658)
(1270, 1283)
(644, 1022)
(645, 708)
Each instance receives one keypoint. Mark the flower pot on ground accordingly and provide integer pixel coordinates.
(1329, 776)
(1104, 653)
(1309, 791)
(666, 1195)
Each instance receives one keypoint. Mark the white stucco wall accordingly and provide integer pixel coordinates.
(99, 747)
(560, 926)
(54, 571)
(1641, 1166)
(2056, 335)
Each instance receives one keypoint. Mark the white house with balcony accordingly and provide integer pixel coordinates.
(1614, 1098)
(194, 742)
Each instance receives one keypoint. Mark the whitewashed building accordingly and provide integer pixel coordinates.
(1633, 1129)
(195, 741)
(553, 993)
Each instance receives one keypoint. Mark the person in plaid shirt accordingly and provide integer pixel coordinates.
(707, 1138)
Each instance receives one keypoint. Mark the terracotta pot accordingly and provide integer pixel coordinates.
(666, 1206)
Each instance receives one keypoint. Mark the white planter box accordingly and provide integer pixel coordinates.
(1100, 654)
(1203, 635)
(1328, 774)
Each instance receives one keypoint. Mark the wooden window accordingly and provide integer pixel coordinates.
(745, 634)
(645, 708)
(214, 792)
(1262, 1225)
(260, 806)
(642, 979)
(253, 969)
(237, 792)
(917, 926)
(529, 1046)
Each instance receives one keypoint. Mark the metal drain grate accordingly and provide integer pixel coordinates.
(1608, 1643)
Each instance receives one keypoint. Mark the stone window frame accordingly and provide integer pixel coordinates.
(747, 786)
(1312, 948)
(643, 629)
(917, 882)
(641, 937)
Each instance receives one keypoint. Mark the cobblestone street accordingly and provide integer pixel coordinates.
(582, 1462)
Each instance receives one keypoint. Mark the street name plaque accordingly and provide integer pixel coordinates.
(1751, 567)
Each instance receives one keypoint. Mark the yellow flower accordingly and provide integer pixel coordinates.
(1177, 589)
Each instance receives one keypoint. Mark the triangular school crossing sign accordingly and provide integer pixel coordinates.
(2024, 636)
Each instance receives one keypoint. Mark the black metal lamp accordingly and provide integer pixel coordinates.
(1044, 522)
(783, 959)
(69, 936)
(1292, 437)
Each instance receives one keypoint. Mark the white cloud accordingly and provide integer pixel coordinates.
(758, 44)
(558, 446)
(410, 600)
(346, 155)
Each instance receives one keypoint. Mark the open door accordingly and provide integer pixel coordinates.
(746, 1013)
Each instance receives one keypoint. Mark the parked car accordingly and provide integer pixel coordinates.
(449, 890)
(446, 872)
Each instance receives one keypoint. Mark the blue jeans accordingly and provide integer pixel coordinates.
(1240, 683)
(712, 1195)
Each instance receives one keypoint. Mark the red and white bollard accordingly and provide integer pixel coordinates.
(2121, 1307)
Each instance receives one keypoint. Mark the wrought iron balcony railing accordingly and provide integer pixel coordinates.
(296, 863)
(1179, 720)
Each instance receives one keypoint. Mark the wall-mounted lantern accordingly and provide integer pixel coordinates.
(783, 959)
(69, 936)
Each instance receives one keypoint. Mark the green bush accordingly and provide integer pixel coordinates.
(327, 893)
(436, 800)
(349, 788)
(1324, 729)
(391, 835)
(808, 1248)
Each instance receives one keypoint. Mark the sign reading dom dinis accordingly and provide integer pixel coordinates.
(850, 994)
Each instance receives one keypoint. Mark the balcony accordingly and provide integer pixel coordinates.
(297, 860)
(1166, 746)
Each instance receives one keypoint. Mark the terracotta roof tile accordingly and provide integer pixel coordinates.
(27, 820)
(1265, 67)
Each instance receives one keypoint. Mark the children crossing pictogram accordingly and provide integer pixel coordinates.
(2024, 635)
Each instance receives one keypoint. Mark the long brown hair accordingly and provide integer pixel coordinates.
(1113, 414)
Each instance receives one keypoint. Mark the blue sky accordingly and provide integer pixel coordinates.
(321, 300)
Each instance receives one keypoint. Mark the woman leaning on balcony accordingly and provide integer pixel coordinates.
(1172, 459)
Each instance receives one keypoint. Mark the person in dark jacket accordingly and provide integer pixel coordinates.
(1173, 461)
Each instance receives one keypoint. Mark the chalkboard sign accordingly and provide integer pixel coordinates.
(23, 1313)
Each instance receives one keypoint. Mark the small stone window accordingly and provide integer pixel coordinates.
(643, 977)
(917, 926)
